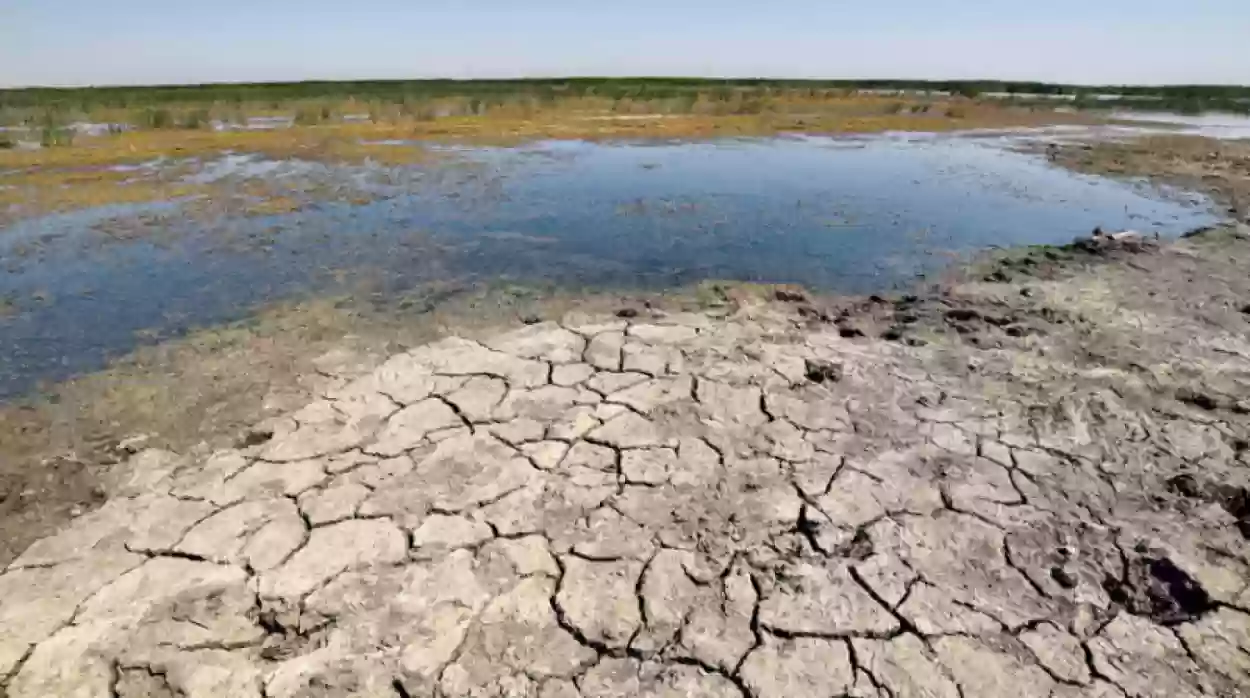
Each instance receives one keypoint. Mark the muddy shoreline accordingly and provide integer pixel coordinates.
(650, 215)
(1032, 477)
(211, 387)
(1217, 168)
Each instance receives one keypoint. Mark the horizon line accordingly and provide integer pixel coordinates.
(557, 78)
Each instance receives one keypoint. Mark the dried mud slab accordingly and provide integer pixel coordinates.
(685, 505)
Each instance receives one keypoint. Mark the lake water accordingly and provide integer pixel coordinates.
(851, 215)
(1209, 125)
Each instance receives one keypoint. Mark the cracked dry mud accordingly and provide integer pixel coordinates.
(687, 505)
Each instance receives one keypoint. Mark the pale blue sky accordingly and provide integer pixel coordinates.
(78, 42)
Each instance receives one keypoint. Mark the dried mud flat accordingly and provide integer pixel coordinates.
(1033, 485)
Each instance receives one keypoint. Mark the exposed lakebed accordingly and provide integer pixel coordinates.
(841, 215)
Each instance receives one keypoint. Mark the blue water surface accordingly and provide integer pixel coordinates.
(842, 215)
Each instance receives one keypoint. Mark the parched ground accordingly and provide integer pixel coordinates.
(1031, 485)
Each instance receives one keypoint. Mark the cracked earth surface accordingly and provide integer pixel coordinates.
(763, 504)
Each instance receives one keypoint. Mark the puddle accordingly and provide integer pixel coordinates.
(850, 215)
(255, 123)
(251, 167)
(152, 165)
(1210, 125)
(85, 128)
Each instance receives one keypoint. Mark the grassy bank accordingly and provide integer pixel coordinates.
(50, 121)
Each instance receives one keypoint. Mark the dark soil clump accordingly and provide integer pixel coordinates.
(821, 371)
(1154, 587)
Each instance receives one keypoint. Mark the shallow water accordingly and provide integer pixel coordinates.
(1209, 125)
(850, 215)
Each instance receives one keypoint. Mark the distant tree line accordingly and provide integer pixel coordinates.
(1183, 97)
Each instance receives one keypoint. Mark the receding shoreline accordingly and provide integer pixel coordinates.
(1034, 475)
(213, 384)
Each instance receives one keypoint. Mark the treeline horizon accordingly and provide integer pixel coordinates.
(1195, 97)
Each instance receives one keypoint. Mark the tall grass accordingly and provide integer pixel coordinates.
(56, 136)
(196, 119)
(155, 118)
(409, 103)
(169, 106)
(313, 114)
(165, 118)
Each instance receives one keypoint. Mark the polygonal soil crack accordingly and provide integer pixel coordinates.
(285, 639)
(142, 682)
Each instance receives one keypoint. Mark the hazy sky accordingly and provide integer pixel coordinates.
(79, 42)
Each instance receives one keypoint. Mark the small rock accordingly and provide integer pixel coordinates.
(133, 444)
(531, 319)
(962, 314)
(1200, 230)
(1154, 587)
(1185, 486)
(254, 437)
(627, 312)
(1101, 242)
(1063, 577)
(789, 295)
(1236, 501)
(1204, 401)
(858, 548)
(821, 371)
(811, 314)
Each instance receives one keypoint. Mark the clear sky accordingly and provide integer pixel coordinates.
(83, 42)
